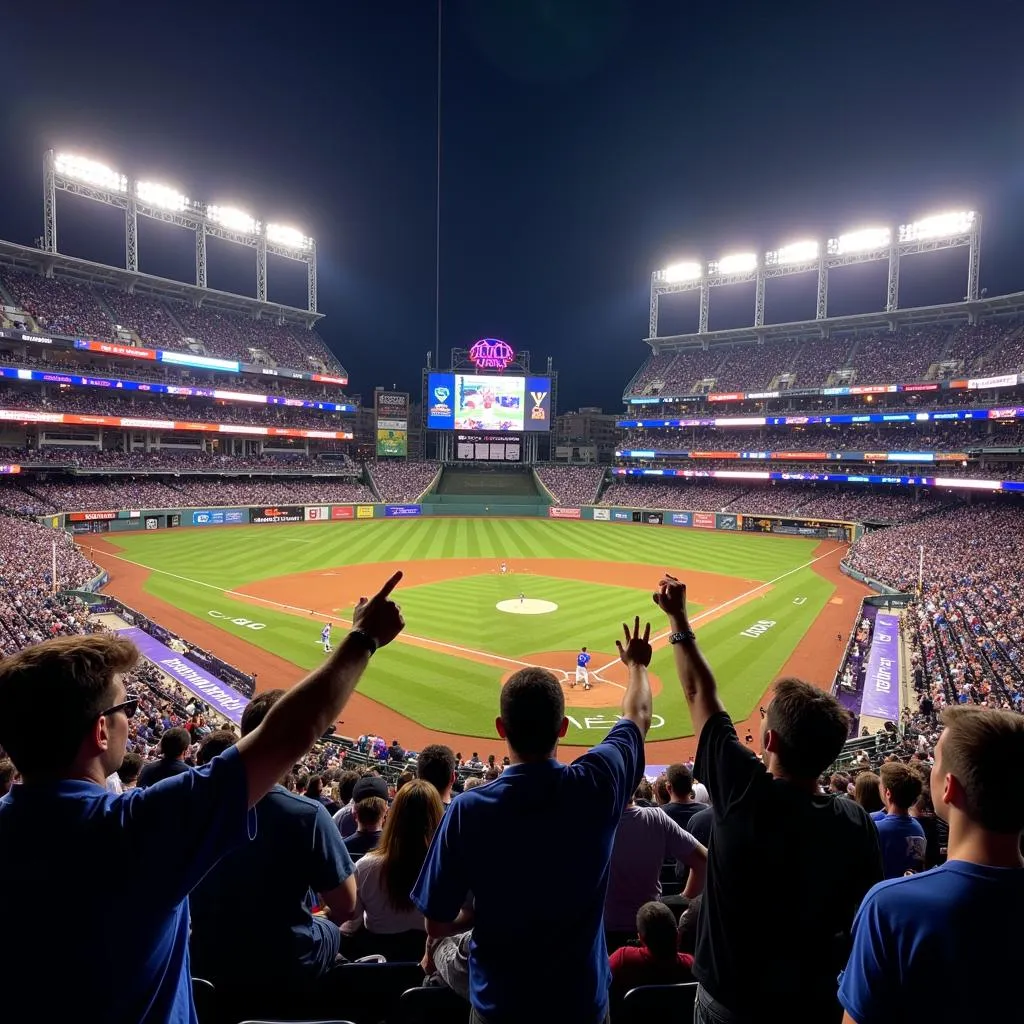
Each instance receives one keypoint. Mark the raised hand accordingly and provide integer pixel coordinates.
(380, 617)
(637, 650)
(670, 597)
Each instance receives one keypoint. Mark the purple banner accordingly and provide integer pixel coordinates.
(882, 680)
(221, 697)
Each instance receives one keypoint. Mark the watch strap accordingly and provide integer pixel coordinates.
(365, 639)
(682, 636)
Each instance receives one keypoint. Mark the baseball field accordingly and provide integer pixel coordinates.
(258, 596)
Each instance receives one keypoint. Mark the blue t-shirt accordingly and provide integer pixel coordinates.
(116, 870)
(583, 659)
(252, 916)
(902, 842)
(538, 951)
(911, 932)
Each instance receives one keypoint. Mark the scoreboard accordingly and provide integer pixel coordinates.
(487, 448)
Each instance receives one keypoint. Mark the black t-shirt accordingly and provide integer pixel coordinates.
(787, 870)
(362, 842)
(681, 815)
(701, 825)
(157, 771)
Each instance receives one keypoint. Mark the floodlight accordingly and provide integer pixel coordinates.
(682, 272)
(859, 241)
(939, 225)
(794, 252)
(737, 263)
(290, 238)
(162, 196)
(90, 172)
(232, 219)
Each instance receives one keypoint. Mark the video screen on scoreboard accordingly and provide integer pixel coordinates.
(487, 448)
(488, 402)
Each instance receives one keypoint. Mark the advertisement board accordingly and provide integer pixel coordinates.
(277, 514)
(391, 409)
(727, 522)
(218, 517)
(557, 512)
(317, 513)
(152, 523)
(602, 515)
(479, 401)
(704, 520)
(342, 512)
(621, 515)
(655, 518)
(680, 519)
(91, 517)
(401, 511)
(364, 511)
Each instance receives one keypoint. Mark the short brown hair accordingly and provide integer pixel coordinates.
(532, 709)
(983, 750)
(866, 793)
(680, 779)
(810, 725)
(902, 782)
(214, 745)
(371, 810)
(73, 677)
(256, 710)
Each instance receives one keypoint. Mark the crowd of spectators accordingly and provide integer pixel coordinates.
(203, 410)
(571, 485)
(904, 355)
(72, 308)
(401, 479)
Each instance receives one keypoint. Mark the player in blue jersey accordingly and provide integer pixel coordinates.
(325, 638)
(582, 661)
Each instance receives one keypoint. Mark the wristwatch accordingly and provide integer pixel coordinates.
(681, 637)
(365, 639)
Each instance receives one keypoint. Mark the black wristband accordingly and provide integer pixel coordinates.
(680, 637)
(365, 639)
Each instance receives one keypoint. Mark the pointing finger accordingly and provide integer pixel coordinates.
(390, 585)
(636, 627)
(647, 632)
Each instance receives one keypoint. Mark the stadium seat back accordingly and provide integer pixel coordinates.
(205, 998)
(434, 1005)
(659, 1003)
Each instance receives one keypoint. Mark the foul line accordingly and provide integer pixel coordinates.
(427, 641)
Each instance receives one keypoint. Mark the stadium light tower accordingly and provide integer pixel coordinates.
(83, 176)
(948, 230)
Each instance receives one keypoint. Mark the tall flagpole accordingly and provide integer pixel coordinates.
(53, 566)
(920, 570)
(437, 208)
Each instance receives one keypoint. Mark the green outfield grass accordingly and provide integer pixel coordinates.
(193, 568)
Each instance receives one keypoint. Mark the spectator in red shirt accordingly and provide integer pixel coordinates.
(657, 960)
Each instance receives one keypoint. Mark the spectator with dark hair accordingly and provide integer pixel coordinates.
(215, 744)
(772, 823)
(657, 960)
(661, 794)
(62, 827)
(936, 832)
(384, 919)
(130, 770)
(867, 793)
(900, 837)
(687, 929)
(521, 928)
(403, 780)
(260, 894)
(682, 805)
(345, 818)
(7, 773)
(371, 808)
(174, 746)
(911, 932)
(436, 764)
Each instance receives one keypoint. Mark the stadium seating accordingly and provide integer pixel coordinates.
(659, 1002)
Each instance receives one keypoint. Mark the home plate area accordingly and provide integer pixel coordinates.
(527, 606)
(607, 682)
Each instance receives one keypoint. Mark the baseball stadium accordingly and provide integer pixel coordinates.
(193, 471)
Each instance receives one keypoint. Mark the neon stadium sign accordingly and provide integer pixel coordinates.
(491, 354)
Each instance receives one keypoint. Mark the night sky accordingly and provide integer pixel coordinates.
(585, 143)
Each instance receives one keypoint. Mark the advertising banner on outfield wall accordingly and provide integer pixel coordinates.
(219, 516)
(317, 513)
(726, 522)
(557, 512)
(603, 515)
(401, 511)
(343, 512)
(277, 514)
(152, 523)
(90, 517)
(364, 511)
(680, 519)
(704, 520)
(621, 515)
(654, 518)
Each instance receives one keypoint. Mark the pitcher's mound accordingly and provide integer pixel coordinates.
(528, 606)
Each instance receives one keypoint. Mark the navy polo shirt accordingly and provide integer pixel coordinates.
(117, 871)
(534, 847)
(252, 916)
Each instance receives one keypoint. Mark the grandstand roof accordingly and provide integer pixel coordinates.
(25, 257)
(967, 312)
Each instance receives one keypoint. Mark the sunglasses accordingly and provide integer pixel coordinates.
(129, 707)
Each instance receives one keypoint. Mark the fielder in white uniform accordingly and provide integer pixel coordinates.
(325, 638)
